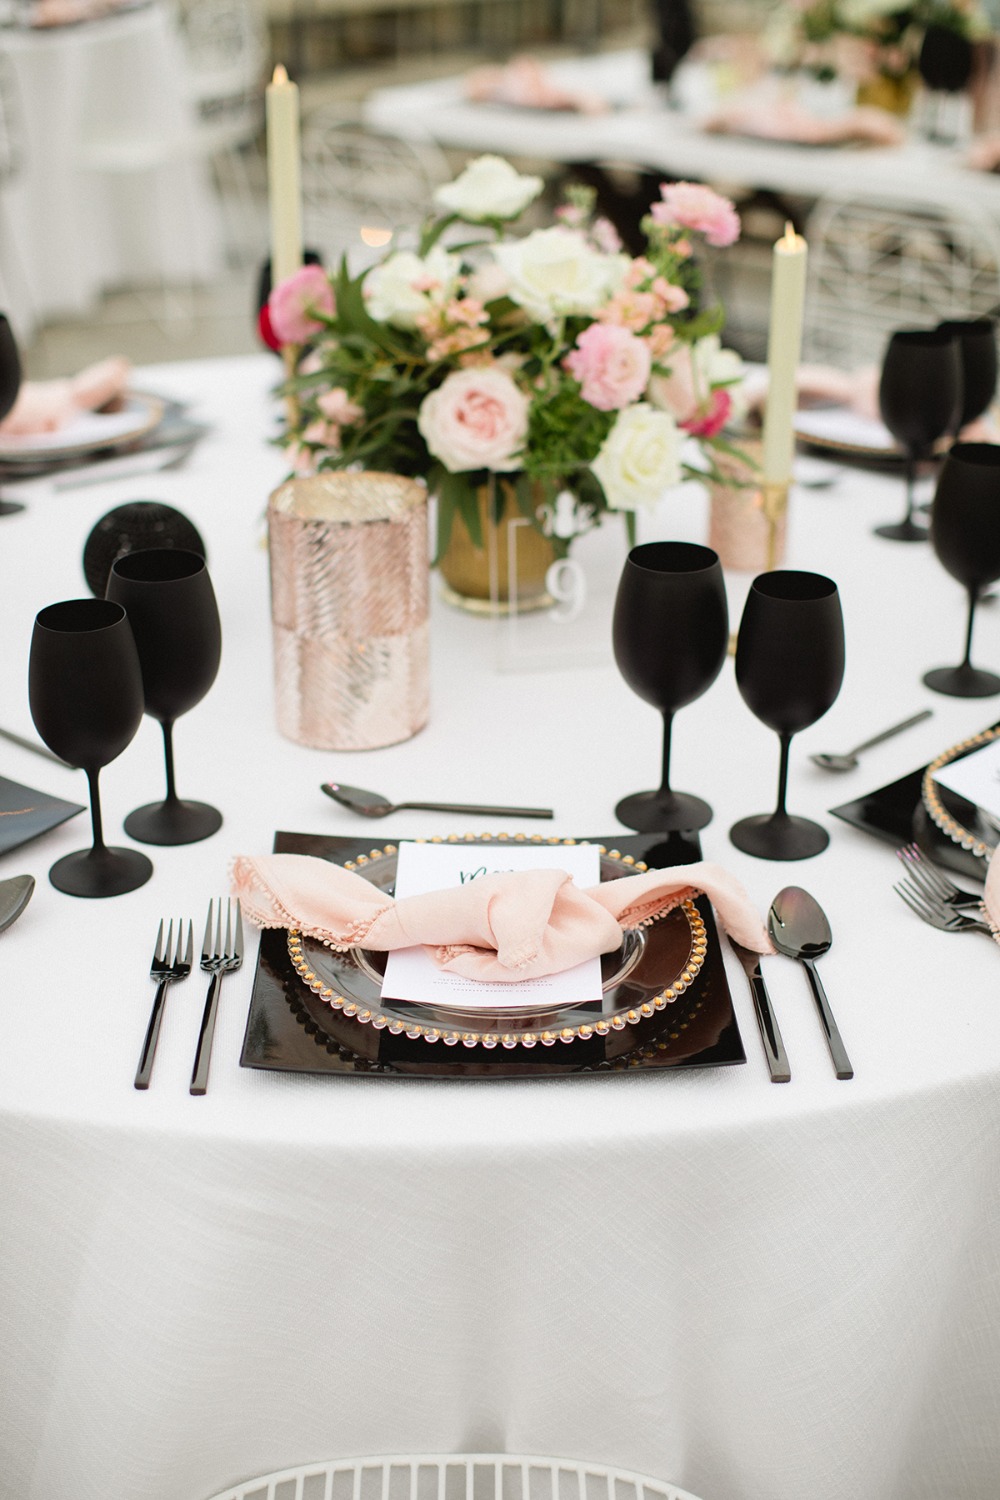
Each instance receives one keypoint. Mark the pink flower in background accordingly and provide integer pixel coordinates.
(337, 407)
(691, 205)
(476, 419)
(611, 364)
(298, 304)
(709, 422)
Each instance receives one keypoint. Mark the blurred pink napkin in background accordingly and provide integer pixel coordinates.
(511, 926)
(766, 116)
(48, 405)
(523, 82)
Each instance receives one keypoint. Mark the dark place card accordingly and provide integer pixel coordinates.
(25, 813)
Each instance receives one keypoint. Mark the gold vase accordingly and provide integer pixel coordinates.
(889, 91)
(497, 577)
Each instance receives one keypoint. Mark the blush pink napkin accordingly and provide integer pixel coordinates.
(48, 405)
(509, 926)
(991, 895)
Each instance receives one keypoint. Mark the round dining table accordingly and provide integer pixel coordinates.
(101, 189)
(756, 1291)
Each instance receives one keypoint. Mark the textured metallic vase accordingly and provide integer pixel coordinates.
(349, 608)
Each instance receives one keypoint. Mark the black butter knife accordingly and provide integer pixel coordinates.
(774, 1047)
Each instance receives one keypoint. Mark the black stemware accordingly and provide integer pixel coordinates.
(965, 534)
(977, 347)
(789, 668)
(10, 385)
(920, 398)
(671, 630)
(85, 692)
(171, 605)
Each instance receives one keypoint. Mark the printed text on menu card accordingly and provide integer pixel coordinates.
(411, 974)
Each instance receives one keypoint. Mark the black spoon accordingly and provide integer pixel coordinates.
(374, 805)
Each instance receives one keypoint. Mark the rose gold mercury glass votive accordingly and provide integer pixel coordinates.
(349, 608)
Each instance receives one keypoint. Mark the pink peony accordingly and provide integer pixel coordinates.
(690, 205)
(611, 364)
(298, 305)
(476, 419)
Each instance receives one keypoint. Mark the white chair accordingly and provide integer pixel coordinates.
(362, 192)
(875, 269)
(226, 47)
(454, 1476)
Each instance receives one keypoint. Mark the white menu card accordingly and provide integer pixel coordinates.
(976, 777)
(411, 973)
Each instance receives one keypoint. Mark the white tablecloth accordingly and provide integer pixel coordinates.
(754, 1290)
(70, 233)
(641, 132)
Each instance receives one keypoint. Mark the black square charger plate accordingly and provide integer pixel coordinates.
(290, 1029)
(896, 813)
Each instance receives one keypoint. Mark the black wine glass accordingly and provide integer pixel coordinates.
(10, 385)
(977, 347)
(789, 668)
(171, 605)
(85, 692)
(965, 534)
(945, 59)
(920, 398)
(671, 630)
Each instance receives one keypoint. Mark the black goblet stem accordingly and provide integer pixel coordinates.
(785, 741)
(95, 814)
(168, 756)
(668, 724)
(966, 661)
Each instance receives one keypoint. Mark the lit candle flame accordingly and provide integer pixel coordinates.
(280, 74)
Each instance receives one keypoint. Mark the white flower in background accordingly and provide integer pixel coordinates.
(402, 288)
(489, 188)
(857, 12)
(555, 272)
(640, 457)
(488, 282)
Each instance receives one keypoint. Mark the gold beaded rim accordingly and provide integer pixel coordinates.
(936, 810)
(371, 1015)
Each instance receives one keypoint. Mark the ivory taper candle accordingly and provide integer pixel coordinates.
(284, 175)
(784, 346)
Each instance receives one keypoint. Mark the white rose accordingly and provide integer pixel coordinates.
(640, 457)
(489, 188)
(476, 419)
(402, 287)
(554, 272)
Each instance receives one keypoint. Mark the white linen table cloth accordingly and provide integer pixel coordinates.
(759, 1292)
(641, 132)
(70, 232)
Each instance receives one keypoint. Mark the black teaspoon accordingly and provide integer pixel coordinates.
(373, 805)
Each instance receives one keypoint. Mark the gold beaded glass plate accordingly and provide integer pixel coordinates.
(649, 972)
(959, 820)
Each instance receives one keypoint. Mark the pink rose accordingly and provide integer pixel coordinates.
(691, 205)
(611, 364)
(675, 392)
(476, 419)
(298, 304)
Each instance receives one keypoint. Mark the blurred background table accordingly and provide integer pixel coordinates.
(100, 186)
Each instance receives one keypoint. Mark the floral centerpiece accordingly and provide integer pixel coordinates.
(876, 43)
(570, 369)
